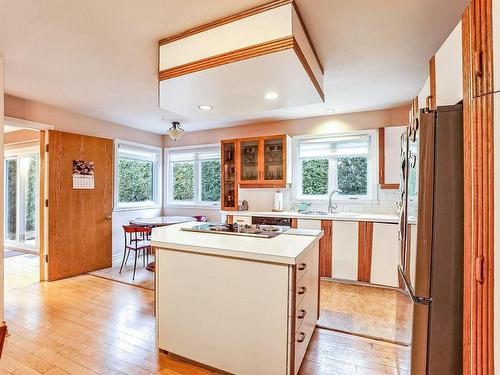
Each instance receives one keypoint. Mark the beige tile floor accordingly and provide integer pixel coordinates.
(384, 314)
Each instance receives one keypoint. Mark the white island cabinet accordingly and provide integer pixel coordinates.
(243, 305)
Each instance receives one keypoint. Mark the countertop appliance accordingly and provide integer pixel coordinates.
(431, 269)
(254, 230)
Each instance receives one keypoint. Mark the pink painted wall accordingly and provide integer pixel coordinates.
(75, 123)
(311, 125)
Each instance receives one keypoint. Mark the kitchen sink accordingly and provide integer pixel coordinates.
(312, 212)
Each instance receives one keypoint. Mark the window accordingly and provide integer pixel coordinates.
(343, 163)
(194, 176)
(137, 172)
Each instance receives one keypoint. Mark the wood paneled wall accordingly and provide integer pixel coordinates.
(478, 188)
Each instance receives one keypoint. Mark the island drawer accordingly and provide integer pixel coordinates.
(304, 262)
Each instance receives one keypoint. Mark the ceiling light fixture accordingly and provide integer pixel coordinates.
(271, 95)
(175, 132)
(205, 107)
(329, 110)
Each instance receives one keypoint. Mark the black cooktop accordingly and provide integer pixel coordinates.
(254, 230)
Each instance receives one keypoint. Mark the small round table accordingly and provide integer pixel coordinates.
(160, 221)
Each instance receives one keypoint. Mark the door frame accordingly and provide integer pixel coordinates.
(42, 188)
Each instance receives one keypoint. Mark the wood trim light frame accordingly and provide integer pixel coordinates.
(291, 36)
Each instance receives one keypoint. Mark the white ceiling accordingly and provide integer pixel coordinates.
(99, 57)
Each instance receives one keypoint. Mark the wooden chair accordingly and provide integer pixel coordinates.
(137, 240)
(3, 333)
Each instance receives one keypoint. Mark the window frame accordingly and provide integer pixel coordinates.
(157, 177)
(196, 202)
(372, 170)
(17, 153)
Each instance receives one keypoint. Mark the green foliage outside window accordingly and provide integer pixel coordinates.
(30, 197)
(315, 177)
(210, 181)
(183, 181)
(11, 166)
(352, 176)
(135, 180)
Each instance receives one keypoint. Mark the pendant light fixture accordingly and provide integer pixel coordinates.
(175, 132)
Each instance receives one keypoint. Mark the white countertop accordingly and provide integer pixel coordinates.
(377, 218)
(284, 248)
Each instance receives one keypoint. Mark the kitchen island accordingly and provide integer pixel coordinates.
(244, 305)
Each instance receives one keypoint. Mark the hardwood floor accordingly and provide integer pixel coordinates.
(89, 325)
(21, 270)
(384, 314)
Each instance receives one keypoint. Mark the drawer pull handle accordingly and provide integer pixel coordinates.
(302, 266)
(302, 290)
(302, 314)
(302, 337)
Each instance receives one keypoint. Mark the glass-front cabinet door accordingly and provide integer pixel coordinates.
(274, 159)
(229, 176)
(249, 161)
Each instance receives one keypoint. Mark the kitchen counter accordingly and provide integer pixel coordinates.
(284, 248)
(341, 216)
(243, 305)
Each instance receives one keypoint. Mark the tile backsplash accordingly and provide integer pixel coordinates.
(262, 200)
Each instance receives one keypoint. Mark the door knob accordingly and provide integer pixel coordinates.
(108, 217)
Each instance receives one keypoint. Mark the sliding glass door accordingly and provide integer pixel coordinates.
(21, 201)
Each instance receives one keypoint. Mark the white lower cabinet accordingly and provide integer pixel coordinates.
(241, 316)
(309, 224)
(345, 250)
(385, 255)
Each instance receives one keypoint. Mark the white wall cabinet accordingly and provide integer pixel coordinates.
(385, 255)
(449, 76)
(392, 151)
(496, 44)
(345, 250)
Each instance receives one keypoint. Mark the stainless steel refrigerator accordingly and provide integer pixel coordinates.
(431, 238)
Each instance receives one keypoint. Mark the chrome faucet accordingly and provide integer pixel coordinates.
(332, 206)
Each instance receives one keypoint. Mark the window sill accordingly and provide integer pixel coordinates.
(336, 201)
(191, 206)
(137, 207)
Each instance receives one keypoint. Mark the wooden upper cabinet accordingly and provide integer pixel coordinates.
(263, 161)
(481, 45)
(229, 190)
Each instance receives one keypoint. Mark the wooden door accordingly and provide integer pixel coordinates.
(79, 225)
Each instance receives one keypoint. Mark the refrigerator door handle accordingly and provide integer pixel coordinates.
(418, 300)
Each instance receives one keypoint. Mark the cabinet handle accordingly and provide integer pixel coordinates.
(302, 290)
(302, 337)
(302, 266)
(302, 314)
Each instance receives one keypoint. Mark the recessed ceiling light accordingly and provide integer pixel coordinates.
(205, 107)
(271, 95)
(329, 110)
